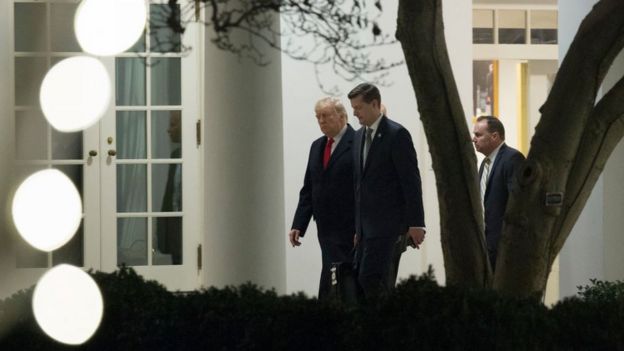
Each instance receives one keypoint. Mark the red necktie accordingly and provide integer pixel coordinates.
(327, 152)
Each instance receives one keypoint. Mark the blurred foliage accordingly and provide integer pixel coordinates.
(419, 314)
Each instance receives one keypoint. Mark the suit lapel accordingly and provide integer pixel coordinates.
(377, 140)
(343, 146)
(316, 155)
(357, 159)
(497, 162)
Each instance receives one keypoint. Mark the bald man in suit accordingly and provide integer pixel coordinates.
(495, 177)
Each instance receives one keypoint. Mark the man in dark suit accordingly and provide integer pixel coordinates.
(388, 194)
(327, 192)
(495, 177)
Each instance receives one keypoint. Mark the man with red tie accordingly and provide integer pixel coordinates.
(327, 192)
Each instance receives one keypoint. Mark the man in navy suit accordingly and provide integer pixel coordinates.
(327, 192)
(388, 194)
(495, 177)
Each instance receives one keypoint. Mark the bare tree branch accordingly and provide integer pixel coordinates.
(323, 32)
(601, 136)
(531, 222)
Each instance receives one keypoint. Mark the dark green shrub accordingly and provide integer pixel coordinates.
(421, 315)
(593, 320)
(417, 315)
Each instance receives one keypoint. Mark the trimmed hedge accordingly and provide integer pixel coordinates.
(418, 315)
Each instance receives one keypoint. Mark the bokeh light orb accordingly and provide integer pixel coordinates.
(47, 209)
(109, 27)
(75, 93)
(67, 304)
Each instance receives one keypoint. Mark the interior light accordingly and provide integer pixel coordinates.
(75, 93)
(67, 304)
(109, 27)
(47, 209)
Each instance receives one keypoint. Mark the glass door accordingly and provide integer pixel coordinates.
(150, 168)
(138, 170)
(43, 36)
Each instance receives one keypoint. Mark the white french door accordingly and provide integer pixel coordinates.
(139, 168)
(150, 163)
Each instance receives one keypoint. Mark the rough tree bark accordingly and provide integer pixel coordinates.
(568, 152)
(421, 33)
(570, 147)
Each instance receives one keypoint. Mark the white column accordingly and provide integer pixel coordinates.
(244, 167)
(6, 146)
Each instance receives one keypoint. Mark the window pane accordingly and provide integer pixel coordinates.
(162, 38)
(130, 81)
(483, 26)
(543, 36)
(29, 73)
(66, 146)
(166, 82)
(543, 27)
(131, 188)
(511, 36)
(31, 137)
(63, 37)
(131, 135)
(483, 35)
(512, 27)
(482, 18)
(132, 241)
(167, 187)
(30, 27)
(72, 252)
(166, 134)
(544, 19)
(167, 241)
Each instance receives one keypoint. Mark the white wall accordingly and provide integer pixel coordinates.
(300, 92)
(244, 199)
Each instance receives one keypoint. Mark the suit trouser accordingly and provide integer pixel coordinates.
(333, 250)
(399, 247)
(375, 261)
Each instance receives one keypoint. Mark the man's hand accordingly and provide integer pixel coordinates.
(294, 237)
(417, 236)
(356, 240)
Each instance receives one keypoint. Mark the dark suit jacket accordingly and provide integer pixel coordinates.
(327, 194)
(496, 194)
(388, 194)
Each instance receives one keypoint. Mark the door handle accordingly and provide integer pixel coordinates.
(92, 153)
(112, 152)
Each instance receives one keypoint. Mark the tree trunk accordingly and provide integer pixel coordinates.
(568, 152)
(421, 33)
